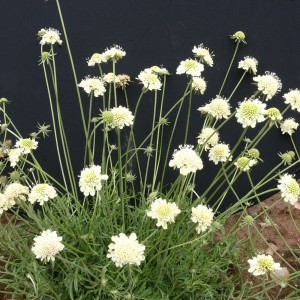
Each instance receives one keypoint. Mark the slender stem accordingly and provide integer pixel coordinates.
(151, 141)
(188, 115)
(73, 67)
(121, 179)
(229, 68)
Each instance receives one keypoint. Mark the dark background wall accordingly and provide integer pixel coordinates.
(152, 33)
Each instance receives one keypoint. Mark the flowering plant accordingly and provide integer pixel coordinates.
(115, 231)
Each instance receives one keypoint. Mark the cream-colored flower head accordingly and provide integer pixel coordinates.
(14, 192)
(126, 250)
(111, 78)
(47, 245)
(49, 36)
(208, 137)
(159, 71)
(150, 80)
(269, 84)
(245, 163)
(204, 54)
(250, 112)
(289, 126)
(14, 156)
(26, 145)
(289, 188)
(190, 67)
(186, 160)
(95, 85)
(218, 108)
(249, 64)
(121, 117)
(203, 217)
(293, 98)
(164, 212)
(274, 114)
(262, 264)
(90, 180)
(114, 53)
(41, 193)
(219, 153)
(199, 85)
(4, 204)
(96, 58)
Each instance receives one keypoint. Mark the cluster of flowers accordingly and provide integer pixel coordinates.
(41, 192)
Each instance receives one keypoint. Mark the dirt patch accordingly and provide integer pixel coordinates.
(276, 225)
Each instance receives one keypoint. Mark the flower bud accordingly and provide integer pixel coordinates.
(15, 175)
(239, 36)
(254, 153)
(248, 219)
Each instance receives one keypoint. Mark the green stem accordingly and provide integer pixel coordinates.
(229, 68)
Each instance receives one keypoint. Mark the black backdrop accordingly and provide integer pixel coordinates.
(153, 32)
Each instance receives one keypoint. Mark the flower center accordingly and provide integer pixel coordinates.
(27, 143)
(250, 110)
(190, 64)
(265, 264)
(163, 210)
(293, 187)
(90, 178)
(40, 188)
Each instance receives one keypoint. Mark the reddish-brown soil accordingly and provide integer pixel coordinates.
(276, 225)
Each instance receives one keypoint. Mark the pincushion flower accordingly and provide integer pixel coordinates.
(289, 188)
(121, 117)
(218, 108)
(49, 36)
(219, 153)
(293, 98)
(204, 54)
(47, 245)
(186, 160)
(160, 70)
(289, 126)
(190, 67)
(248, 64)
(111, 77)
(90, 180)
(245, 163)
(113, 53)
(16, 191)
(199, 85)
(274, 114)
(165, 212)
(269, 84)
(203, 217)
(26, 145)
(41, 193)
(208, 137)
(4, 204)
(150, 80)
(94, 85)
(262, 264)
(126, 250)
(14, 156)
(96, 58)
(250, 112)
